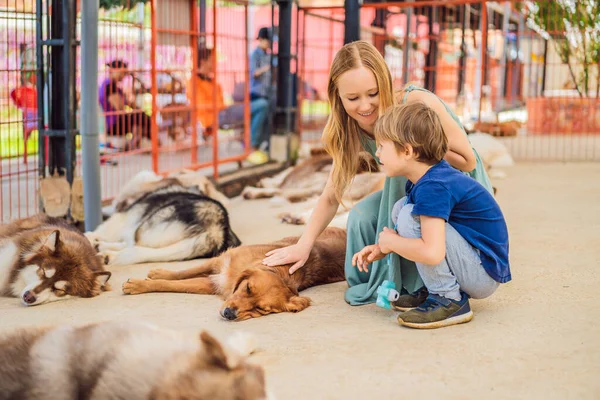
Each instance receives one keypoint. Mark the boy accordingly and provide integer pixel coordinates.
(448, 224)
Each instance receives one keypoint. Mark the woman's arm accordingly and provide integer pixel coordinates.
(321, 217)
(460, 153)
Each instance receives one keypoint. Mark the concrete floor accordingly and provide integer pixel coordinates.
(536, 338)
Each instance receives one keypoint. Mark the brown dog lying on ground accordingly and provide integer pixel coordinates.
(249, 288)
(125, 360)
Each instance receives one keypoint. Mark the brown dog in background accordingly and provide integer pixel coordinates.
(126, 360)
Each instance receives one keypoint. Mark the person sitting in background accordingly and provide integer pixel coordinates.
(204, 94)
(260, 89)
(119, 122)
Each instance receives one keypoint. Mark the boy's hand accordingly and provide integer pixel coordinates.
(386, 239)
(367, 255)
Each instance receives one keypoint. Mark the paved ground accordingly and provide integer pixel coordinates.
(537, 337)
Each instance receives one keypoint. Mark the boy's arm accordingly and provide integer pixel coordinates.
(429, 249)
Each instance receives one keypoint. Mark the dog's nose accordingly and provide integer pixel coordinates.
(28, 297)
(229, 313)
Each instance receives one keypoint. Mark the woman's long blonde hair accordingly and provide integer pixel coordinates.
(342, 135)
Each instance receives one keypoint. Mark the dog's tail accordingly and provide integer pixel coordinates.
(232, 239)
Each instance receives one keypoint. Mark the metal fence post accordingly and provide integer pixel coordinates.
(352, 21)
(90, 152)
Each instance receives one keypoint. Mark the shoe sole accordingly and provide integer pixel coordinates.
(403, 309)
(459, 319)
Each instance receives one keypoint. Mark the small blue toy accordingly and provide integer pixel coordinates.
(387, 294)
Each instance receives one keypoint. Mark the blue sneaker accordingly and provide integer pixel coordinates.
(437, 312)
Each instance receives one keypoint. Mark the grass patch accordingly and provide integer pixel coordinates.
(315, 108)
(11, 135)
(11, 141)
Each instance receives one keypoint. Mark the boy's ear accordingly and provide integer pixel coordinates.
(408, 150)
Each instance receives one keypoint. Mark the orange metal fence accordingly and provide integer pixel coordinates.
(534, 62)
(181, 78)
(183, 75)
(537, 63)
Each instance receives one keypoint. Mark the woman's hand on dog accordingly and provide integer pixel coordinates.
(367, 255)
(296, 254)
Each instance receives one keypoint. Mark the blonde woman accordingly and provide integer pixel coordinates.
(360, 90)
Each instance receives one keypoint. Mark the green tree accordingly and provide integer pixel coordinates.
(573, 26)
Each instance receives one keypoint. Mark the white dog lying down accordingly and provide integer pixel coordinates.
(165, 219)
(493, 153)
(297, 188)
(126, 360)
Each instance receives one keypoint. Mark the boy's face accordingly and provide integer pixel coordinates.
(393, 161)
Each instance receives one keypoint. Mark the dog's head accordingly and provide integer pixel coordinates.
(218, 371)
(56, 268)
(135, 188)
(194, 178)
(259, 292)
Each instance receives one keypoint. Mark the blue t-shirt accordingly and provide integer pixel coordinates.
(260, 85)
(447, 193)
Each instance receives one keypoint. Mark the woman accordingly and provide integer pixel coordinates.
(360, 90)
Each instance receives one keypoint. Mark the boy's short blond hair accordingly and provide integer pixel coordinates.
(417, 125)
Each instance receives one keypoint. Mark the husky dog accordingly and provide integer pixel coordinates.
(126, 360)
(44, 259)
(164, 220)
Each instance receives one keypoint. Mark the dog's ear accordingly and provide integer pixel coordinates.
(122, 205)
(297, 304)
(213, 353)
(52, 241)
(211, 191)
(102, 277)
(196, 189)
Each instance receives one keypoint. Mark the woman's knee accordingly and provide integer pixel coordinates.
(359, 220)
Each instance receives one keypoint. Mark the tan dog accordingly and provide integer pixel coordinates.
(44, 259)
(121, 360)
(145, 182)
(249, 288)
(308, 178)
(299, 186)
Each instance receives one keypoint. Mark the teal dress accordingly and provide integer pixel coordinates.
(366, 221)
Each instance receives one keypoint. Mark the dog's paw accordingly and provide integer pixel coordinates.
(108, 256)
(249, 193)
(288, 218)
(102, 247)
(93, 239)
(127, 256)
(162, 274)
(135, 286)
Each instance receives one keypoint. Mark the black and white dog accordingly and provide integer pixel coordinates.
(165, 219)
